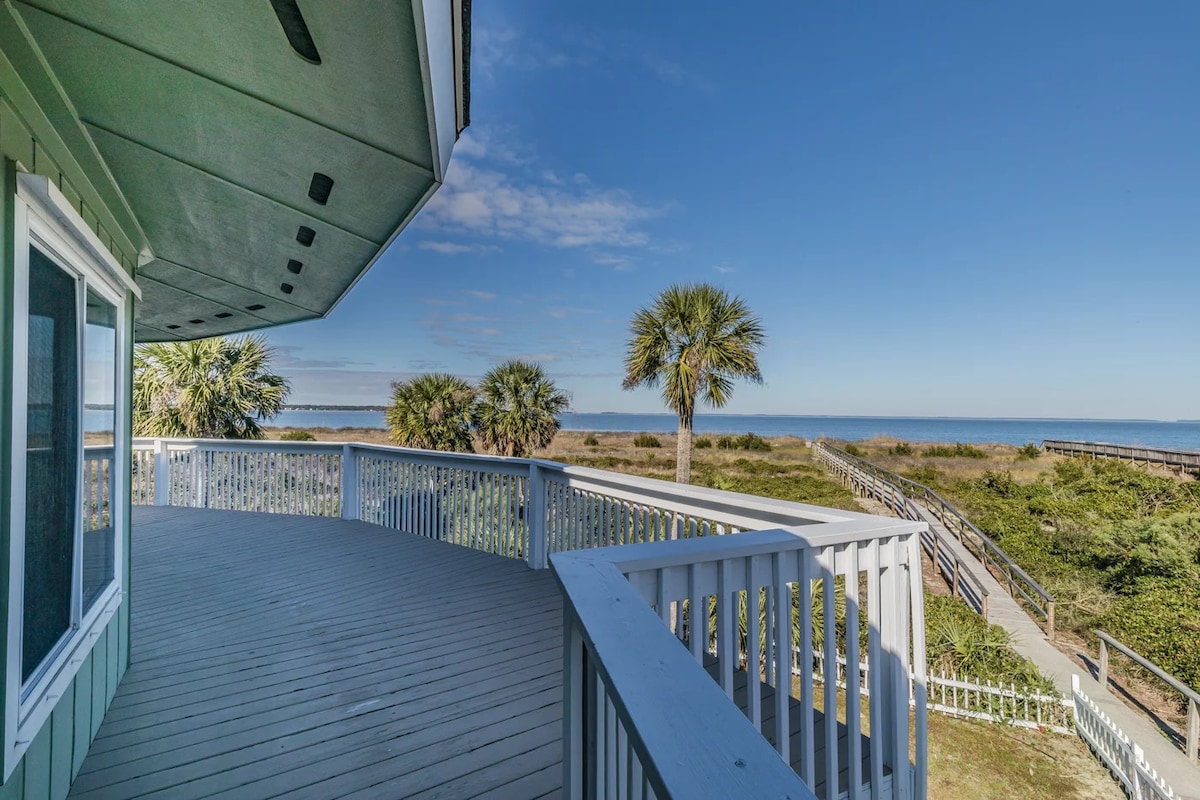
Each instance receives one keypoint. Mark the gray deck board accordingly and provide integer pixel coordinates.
(279, 656)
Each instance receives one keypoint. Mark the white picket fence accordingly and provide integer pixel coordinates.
(1124, 759)
(981, 700)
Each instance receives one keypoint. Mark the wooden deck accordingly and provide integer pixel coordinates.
(301, 657)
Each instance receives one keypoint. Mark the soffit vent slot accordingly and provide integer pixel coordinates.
(320, 188)
(255, 307)
(286, 288)
(305, 235)
(223, 315)
(172, 327)
(296, 30)
(295, 266)
(196, 321)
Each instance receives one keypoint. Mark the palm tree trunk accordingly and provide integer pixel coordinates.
(683, 452)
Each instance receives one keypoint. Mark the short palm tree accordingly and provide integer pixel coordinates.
(432, 412)
(694, 341)
(217, 388)
(518, 408)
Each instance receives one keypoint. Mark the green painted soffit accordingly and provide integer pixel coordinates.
(212, 127)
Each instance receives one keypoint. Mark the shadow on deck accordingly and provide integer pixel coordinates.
(306, 657)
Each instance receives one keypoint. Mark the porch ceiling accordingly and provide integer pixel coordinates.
(212, 127)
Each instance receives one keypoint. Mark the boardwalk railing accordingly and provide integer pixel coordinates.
(964, 583)
(1184, 459)
(1019, 583)
(697, 569)
(1019, 706)
(1190, 695)
(740, 605)
(1124, 759)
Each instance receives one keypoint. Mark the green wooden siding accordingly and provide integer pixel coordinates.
(58, 751)
(33, 137)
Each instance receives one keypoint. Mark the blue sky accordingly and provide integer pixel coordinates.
(936, 209)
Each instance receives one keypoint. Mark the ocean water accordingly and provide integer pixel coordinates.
(1179, 435)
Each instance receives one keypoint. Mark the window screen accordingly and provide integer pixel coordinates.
(52, 460)
(99, 419)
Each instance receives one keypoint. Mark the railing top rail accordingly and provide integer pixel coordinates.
(781, 512)
(631, 558)
(1151, 667)
(691, 740)
(983, 537)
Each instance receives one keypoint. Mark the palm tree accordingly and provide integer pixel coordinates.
(216, 388)
(518, 408)
(694, 340)
(432, 412)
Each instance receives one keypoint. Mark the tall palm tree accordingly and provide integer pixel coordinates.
(694, 340)
(216, 388)
(518, 408)
(432, 412)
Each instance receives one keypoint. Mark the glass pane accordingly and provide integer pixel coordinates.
(99, 421)
(51, 460)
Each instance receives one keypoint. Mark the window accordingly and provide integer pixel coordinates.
(69, 456)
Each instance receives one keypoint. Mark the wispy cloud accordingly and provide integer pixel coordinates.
(482, 201)
(480, 295)
(440, 301)
(291, 357)
(455, 248)
(723, 269)
(562, 312)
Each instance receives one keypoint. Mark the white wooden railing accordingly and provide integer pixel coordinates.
(657, 697)
(1124, 759)
(615, 650)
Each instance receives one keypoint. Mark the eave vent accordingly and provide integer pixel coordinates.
(286, 288)
(296, 30)
(305, 235)
(223, 315)
(196, 321)
(172, 327)
(255, 307)
(295, 266)
(320, 188)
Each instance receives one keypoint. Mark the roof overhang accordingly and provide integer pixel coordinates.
(219, 129)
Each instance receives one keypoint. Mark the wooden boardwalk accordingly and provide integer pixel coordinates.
(302, 657)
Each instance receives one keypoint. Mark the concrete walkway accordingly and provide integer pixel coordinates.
(1029, 640)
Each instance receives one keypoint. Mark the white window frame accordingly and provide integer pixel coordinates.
(44, 218)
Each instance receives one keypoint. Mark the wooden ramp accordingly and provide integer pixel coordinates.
(303, 657)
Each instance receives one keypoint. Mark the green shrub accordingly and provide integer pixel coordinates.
(752, 441)
(1029, 452)
(646, 440)
(959, 450)
(901, 449)
(591, 441)
(726, 443)
(703, 443)
(297, 436)
(854, 450)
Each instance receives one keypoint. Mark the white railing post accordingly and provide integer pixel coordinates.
(348, 489)
(162, 473)
(535, 518)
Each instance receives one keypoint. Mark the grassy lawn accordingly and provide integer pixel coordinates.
(971, 760)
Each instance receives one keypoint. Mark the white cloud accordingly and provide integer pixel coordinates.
(482, 201)
(455, 248)
(479, 295)
(723, 269)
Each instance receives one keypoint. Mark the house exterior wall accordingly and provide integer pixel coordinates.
(30, 142)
